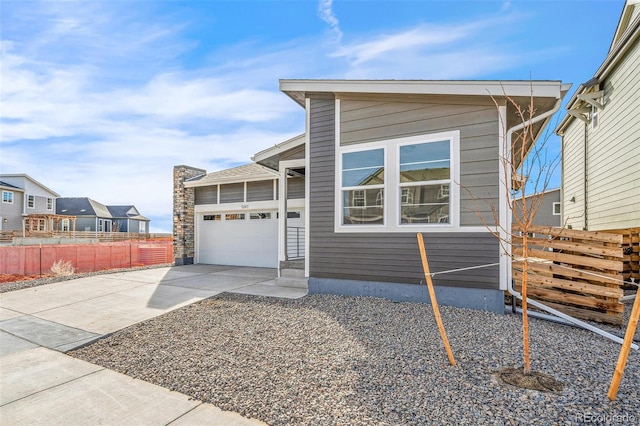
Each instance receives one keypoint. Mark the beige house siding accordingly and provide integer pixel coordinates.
(613, 154)
(614, 160)
(368, 120)
(573, 182)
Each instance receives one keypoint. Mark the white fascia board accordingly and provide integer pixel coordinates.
(546, 88)
(279, 148)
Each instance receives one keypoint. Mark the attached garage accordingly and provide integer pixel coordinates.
(238, 238)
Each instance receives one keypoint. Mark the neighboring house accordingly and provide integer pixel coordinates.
(601, 138)
(94, 216)
(128, 219)
(550, 211)
(22, 196)
(90, 214)
(380, 161)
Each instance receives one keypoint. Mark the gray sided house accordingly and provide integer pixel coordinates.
(601, 138)
(96, 217)
(21, 196)
(550, 211)
(128, 219)
(380, 161)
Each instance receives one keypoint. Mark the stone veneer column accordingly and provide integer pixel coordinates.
(184, 214)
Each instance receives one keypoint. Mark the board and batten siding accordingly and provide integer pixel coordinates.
(206, 194)
(391, 257)
(613, 154)
(260, 190)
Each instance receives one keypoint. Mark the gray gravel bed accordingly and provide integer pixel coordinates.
(19, 285)
(331, 360)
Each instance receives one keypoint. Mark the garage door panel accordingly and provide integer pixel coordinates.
(239, 242)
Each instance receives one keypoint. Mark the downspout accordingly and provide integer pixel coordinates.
(510, 287)
(586, 180)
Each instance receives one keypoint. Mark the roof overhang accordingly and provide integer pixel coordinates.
(626, 35)
(298, 89)
(260, 173)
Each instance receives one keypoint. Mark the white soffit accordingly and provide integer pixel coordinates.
(546, 88)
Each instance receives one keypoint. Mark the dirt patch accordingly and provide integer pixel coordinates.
(534, 380)
(11, 278)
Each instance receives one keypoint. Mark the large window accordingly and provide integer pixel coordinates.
(399, 184)
(425, 178)
(7, 197)
(363, 187)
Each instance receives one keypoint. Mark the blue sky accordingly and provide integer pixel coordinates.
(102, 99)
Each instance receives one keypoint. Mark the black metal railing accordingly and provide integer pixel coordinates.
(295, 242)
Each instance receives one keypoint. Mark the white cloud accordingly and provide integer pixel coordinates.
(325, 10)
(101, 105)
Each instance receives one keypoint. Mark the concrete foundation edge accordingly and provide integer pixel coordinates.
(180, 261)
(472, 298)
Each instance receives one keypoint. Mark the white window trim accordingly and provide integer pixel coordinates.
(31, 197)
(8, 193)
(392, 189)
(553, 208)
(49, 202)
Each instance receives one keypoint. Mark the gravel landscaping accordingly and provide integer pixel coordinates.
(331, 360)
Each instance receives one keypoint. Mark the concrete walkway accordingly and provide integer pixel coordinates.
(39, 384)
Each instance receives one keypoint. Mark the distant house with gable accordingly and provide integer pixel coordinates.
(22, 196)
(94, 216)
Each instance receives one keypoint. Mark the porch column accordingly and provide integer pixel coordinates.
(282, 214)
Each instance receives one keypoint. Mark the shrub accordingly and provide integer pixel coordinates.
(62, 268)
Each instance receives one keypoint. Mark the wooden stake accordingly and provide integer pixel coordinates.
(434, 302)
(626, 347)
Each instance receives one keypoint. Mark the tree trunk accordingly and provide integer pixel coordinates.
(525, 317)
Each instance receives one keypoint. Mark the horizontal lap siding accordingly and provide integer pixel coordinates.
(371, 120)
(392, 257)
(295, 188)
(614, 151)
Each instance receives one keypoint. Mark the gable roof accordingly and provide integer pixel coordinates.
(244, 173)
(29, 178)
(81, 206)
(9, 186)
(126, 212)
(627, 32)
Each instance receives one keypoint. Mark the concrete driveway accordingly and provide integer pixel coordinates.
(42, 385)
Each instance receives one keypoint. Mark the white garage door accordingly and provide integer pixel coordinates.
(238, 238)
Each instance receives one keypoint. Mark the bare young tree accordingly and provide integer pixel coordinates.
(527, 168)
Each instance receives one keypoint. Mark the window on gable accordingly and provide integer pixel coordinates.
(7, 197)
(31, 201)
(49, 203)
(363, 187)
(425, 178)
